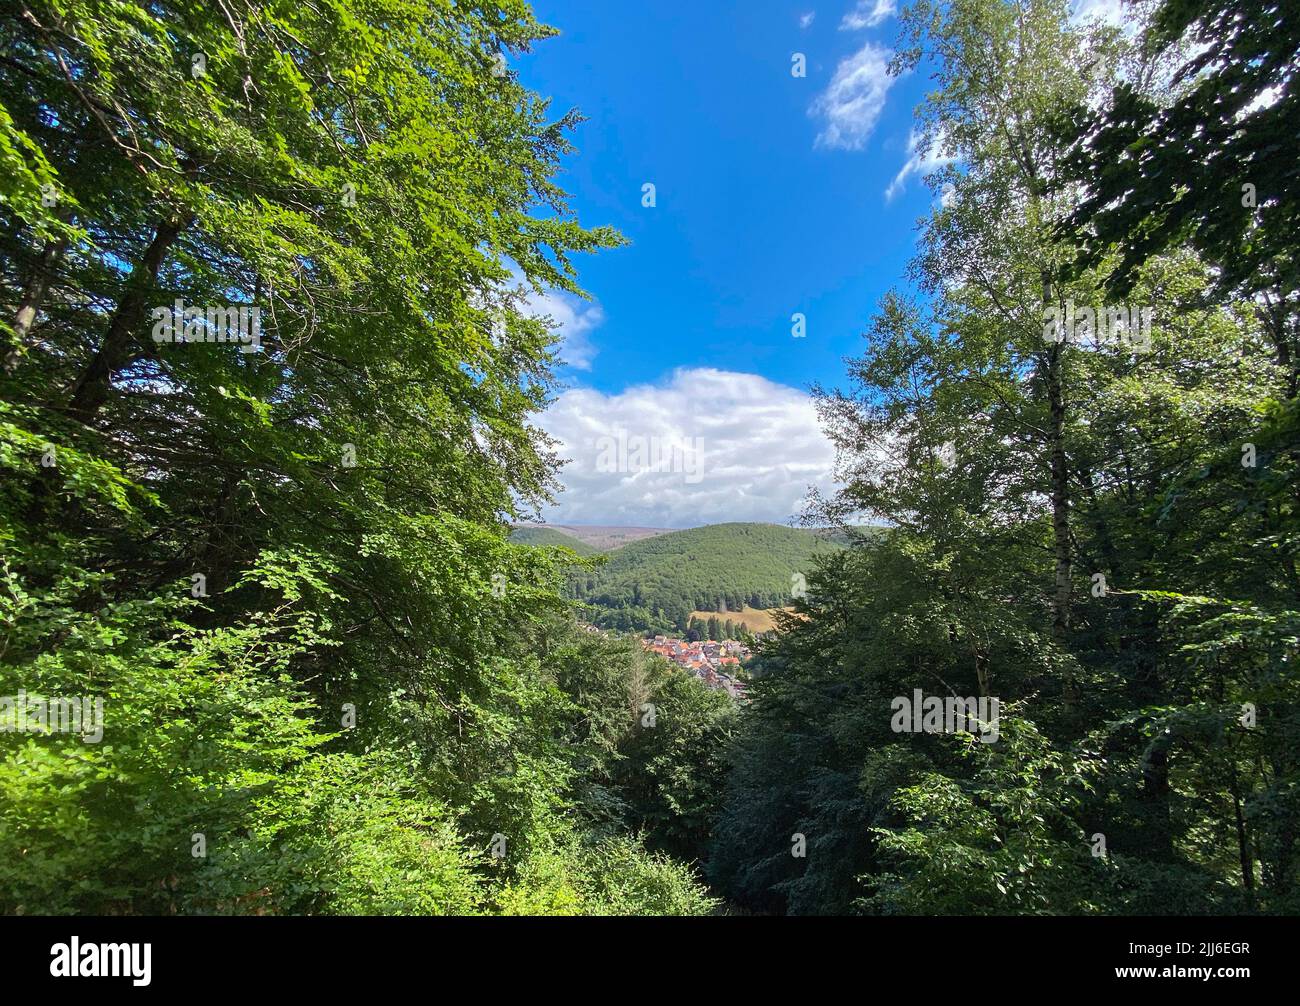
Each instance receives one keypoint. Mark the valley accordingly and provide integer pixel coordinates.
(667, 581)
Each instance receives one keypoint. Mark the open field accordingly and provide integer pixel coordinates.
(755, 619)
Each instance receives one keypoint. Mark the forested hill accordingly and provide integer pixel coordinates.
(531, 535)
(658, 582)
(599, 537)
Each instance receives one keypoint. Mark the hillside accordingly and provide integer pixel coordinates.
(599, 537)
(657, 582)
(537, 534)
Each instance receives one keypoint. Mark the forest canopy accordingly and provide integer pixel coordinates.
(269, 411)
(1099, 533)
(276, 562)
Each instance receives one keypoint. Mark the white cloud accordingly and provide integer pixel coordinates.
(918, 162)
(756, 448)
(575, 319)
(854, 99)
(868, 14)
(807, 19)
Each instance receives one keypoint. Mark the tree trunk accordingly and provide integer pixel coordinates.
(1060, 496)
(90, 391)
(1159, 836)
(1060, 484)
(29, 304)
(1243, 839)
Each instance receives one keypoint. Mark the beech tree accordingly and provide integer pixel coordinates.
(1066, 529)
(282, 560)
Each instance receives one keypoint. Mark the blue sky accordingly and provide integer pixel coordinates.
(755, 219)
(775, 195)
(771, 199)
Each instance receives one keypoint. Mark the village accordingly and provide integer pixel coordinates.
(715, 663)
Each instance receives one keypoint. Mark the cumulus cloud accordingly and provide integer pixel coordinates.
(854, 99)
(573, 317)
(704, 447)
(868, 14)
(807, 19)
(919, 162)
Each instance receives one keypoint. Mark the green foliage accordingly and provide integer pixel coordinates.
(655, 583)
(611, 877)
(202, 733)
(374, 850)
(647, 740)
(287, 572)
(1155, 714)
(549, 536)
(1200, 161)
(1002, 841)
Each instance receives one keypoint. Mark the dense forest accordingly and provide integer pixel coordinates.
(551, 537)
(329, 682)
(1111, 548)
(657, 582)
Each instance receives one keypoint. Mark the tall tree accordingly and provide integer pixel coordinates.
(280, 557)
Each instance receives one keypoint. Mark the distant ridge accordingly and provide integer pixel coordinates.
(596, 537)
(657, 582)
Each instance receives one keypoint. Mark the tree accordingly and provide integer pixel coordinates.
(1201, 161)
(287, 568)
(1051, 560)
